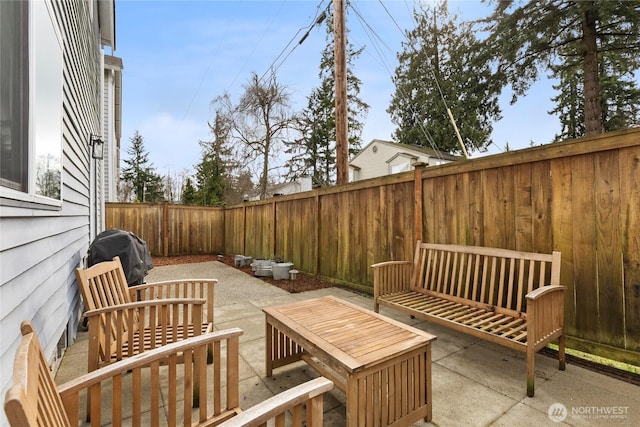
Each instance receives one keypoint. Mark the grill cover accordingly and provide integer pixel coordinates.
(133, 252)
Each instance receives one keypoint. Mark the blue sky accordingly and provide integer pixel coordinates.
(179, 55)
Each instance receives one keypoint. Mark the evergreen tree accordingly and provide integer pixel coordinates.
(597, 42)
(314, 153)
(440, 69)
(146, 183)
(242, 186)
(212, 173)
(189, 196)
(619, 98)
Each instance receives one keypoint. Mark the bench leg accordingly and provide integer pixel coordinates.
(531, 373)
(561, 359)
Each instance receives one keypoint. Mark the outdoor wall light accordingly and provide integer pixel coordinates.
(97, 146)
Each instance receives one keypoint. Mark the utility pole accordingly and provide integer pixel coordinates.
(342, 130)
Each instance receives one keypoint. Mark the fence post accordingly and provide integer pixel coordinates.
(316, 231)
(273, 234)
(418, 167)
(165, 228)
(244, 228)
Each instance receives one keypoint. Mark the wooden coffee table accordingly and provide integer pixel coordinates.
(383, 366)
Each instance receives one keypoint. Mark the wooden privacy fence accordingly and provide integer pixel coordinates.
(580, 197)
(170, 229)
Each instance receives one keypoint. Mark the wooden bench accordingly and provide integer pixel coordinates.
(510, 298)
(158, 396)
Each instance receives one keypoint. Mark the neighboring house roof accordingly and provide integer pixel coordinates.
(382, 157)
(408, 150)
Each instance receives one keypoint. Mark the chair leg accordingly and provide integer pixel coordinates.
(561, 358)
(196, 379)
(209, 354)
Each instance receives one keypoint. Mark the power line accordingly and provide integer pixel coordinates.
(435, 79)
(371, 32)
(317, 20)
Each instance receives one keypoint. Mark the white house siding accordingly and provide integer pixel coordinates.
(40, 246)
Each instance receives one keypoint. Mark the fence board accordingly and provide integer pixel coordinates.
(630, 224)
(542, 196)
(562, 225)
(476, 213)
(461, 211)
(584, 244)
(608, 247)
(523, 206)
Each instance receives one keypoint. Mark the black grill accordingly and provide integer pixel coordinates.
(133, 252)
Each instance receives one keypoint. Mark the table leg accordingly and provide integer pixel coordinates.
(352, 401)
(269, 350)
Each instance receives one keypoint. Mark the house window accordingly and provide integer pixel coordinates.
(400, 167)
(14, 94)
(31, 110)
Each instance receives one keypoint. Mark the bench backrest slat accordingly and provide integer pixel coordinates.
(493, 276)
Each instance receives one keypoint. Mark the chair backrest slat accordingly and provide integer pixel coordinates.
(103, 284)
(33, 399)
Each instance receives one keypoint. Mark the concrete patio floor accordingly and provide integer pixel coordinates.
(475, 383)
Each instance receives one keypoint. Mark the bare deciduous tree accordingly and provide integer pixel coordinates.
(261, 121)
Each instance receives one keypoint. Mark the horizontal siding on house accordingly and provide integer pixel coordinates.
(39, 249)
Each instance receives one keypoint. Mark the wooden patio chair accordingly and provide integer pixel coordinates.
(159, 395)
(104, 286)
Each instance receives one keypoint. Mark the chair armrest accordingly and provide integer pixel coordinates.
(114, 331)
(145, 304)
(309, 393)
(109, 380)
(183, 288)
(391, 276)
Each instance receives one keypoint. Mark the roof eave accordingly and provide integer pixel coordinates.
(107, 22)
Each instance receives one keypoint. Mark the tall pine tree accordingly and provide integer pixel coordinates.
(189, 196)
(139, 171)
(213, 172)
(597, 42)
(439, 69)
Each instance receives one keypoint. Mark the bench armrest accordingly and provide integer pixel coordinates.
(391, 276)
(544, 290)
(545, 315)
(309, 394)
(183, 288)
